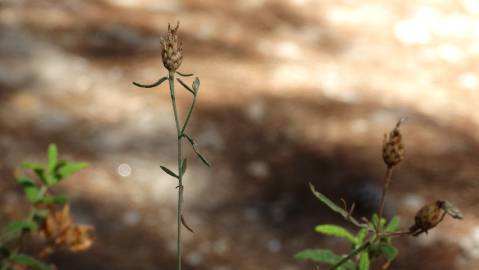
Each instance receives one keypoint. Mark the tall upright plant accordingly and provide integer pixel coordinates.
(172, 56)
(374, 237)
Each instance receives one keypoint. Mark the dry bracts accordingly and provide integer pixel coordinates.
(393, 148)
(172, 49)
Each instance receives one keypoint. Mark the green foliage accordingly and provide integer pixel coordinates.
(38, 194)
(364, 261)
(393, 225)
(26, 260)
(337, 231)
(324, 256)
(372, 240)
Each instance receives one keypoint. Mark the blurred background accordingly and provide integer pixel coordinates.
(291, 91)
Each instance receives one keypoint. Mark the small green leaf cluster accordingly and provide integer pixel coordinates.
(372, 240)
(39, 195)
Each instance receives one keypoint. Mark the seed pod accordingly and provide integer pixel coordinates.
(428, 217)
(393, 148)
(172, 49)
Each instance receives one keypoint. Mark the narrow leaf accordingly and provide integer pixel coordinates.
(151, 85)
(363, 232)
(52, 157)
(203, 159)
(335, 230)
(184, 74)
(29, 188)
(393, 225)
(32, 166)
(197, 152)
(27, 260)
(364, 261)
(389, 251)
(186, 86)
(374, 221)
(168, 171)
(183, 167)
(20, 226)
(70, 168)
(59, 199)
(333, 206)
(324, 256)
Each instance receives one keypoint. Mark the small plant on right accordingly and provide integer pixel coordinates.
(374, 237)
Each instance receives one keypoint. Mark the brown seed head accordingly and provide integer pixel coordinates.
(393, 148)
(171, 49)
(428, 217)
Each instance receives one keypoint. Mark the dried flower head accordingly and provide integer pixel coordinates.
(172, 49)
(60, 229)
(428, 217)
(393, 148)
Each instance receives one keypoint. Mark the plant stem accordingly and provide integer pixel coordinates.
(350, 255)
(387, 180)
(171, 80)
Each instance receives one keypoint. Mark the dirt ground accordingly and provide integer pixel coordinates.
(291, 91)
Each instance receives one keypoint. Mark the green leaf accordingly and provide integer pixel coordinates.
(168, 171)
(389, 251)
(27, 260)
(363, 232)
(58, 199)
(374, 221)
(324, 256)
(52, 157)
(364, 261)
(393, 225)
(203, 159)
(333, 206)
(30, 188)
(69, 168)
(197, 152)
(335, 230)
(183, 167)
(40, 214)
(22, 225)
(32, 166)
(186, 86)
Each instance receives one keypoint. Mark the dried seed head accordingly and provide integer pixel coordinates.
(393, 148)
(428, 217)
(171, 49)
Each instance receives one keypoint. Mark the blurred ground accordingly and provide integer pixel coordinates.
(291, 91)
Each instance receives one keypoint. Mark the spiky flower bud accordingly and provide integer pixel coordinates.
(428, 217)
(172, 49)
(393, 148)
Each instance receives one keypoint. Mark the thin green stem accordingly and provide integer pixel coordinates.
(350, 255)
(171, 80)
